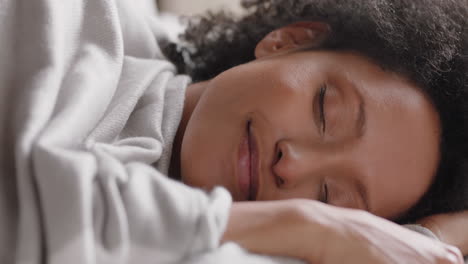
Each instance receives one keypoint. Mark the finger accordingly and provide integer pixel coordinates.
(454, 255)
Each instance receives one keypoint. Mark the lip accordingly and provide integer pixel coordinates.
(247, 165)
(254, 164)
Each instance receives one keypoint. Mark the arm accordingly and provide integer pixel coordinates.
(271, 228)
(450, 229)
(319, 233)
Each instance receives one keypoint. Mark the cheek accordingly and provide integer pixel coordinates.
(199, 159)
(261, 81)
(209, 145)
(215, 127)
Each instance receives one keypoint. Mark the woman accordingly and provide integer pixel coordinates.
(355, 104)
(306, 141)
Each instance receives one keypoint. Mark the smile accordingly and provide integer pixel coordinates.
(248, 165)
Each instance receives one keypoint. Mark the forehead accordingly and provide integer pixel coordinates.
(402, 143)
(398, 155)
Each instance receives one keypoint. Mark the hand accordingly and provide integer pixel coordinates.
(319, 233)
(449, 228)
(355, 236)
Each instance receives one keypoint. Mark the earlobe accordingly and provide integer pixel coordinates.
(294, 36)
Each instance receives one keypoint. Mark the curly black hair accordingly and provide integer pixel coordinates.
(424, 40)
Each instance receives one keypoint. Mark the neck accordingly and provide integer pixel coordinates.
(192, 96)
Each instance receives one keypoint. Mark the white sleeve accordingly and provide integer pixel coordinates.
(97, 209)
(154, 217)
(78, 76)
(422, 230)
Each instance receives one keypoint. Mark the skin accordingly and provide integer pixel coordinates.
(449, 228)
(383, 165)
(319, 233)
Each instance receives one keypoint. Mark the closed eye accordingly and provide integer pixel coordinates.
(324, 196)
(322, 94)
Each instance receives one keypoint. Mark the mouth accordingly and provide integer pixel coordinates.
(248, 165)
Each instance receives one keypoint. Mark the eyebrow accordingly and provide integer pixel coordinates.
(361, 118)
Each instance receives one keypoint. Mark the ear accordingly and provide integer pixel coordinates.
(291, 37)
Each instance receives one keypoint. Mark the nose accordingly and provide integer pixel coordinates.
(296, 164)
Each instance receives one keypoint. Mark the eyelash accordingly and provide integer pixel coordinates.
(324, 193)
(323, 92)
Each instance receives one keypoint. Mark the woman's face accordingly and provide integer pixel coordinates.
(322, 125)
